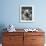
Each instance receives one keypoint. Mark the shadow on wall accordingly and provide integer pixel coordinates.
(2, 26)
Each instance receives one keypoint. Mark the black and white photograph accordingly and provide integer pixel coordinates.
(26, 13)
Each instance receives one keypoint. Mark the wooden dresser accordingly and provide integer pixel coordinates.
(23, 39)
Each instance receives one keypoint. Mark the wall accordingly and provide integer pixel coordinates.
(10, 13)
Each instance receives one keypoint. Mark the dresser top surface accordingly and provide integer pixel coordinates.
(22, 30)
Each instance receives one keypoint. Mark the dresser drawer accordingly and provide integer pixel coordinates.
(12, 39)
(13, 33)
(13, 44)
(34, 33)
(37, 44)
(37, 39)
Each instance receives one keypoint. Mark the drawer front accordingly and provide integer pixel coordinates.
(34, 33)
(37, 45)
(13, 33)
(12, 39)
(37, 39)
(12, 44)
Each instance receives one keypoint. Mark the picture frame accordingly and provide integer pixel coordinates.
(27, 13)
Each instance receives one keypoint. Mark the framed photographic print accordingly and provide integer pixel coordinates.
(26, 13)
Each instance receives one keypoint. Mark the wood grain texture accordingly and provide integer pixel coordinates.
(13, 39)
(34, 39)
(23, 39)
